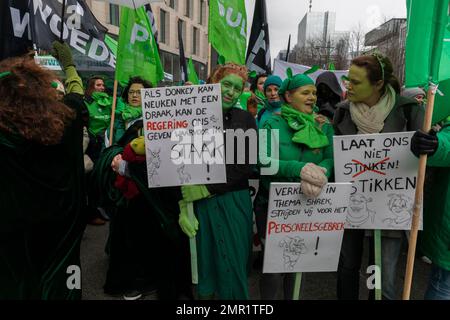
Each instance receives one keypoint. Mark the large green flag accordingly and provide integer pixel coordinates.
(427, 42)
(428, 50)
(192, 75)
(137, 52)
(227, 29)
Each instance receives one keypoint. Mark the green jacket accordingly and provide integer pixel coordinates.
(292, 156)
(436, 228)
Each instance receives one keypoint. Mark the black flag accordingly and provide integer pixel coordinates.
(288, 48)
(15, 32)
(258, 53)
(183, 66)
(40, 22)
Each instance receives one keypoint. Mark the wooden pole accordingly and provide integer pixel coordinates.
(113, 113)
(193, 246)
(418, 200)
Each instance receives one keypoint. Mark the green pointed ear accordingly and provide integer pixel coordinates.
(345, 78)
(331, 67)
(252, 74)
(312, 70)
(5, 74)
(289, 73)
(221, 60)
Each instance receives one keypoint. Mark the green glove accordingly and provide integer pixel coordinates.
(189, 227)
(61, 51)
(194, 193)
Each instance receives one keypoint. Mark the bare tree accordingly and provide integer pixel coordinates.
(356, 41)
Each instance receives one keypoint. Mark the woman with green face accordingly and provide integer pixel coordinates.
(305, 154)
(224, 211)
(373, 106)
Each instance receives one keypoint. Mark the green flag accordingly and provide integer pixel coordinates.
(137, 52)
(227, 29)
(192, 75)
(427, 42)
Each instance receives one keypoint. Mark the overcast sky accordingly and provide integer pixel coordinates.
(285, 15)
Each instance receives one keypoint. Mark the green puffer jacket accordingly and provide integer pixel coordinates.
(292, 156)
(436, 227)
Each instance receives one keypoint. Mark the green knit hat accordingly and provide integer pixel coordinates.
(294, 82)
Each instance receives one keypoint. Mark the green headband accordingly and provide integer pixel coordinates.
(294, 82)
(379, 58)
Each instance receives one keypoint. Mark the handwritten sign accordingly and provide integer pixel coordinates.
(384, 172)
(305, 234)
(183, 135)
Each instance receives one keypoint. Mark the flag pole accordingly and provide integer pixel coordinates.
(209, 59)
(193, 246)
(418, 200)
(63, 13)
(297, 285)
(113, 113)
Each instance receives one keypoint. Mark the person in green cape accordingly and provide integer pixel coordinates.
(41, 187)
(305, 142)
(147, 251)
(224, 211)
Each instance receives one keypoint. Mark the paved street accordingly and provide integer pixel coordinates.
(315, 286)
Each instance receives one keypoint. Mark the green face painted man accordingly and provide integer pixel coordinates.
(232, 86)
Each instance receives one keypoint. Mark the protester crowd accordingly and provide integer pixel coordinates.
(61, 170)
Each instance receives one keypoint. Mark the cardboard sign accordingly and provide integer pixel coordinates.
(384, 172)
(184, 135)
(305, 234)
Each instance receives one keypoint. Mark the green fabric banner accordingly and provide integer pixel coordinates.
(192, 75)
(137, 53)
(227, 29)
(427, 42)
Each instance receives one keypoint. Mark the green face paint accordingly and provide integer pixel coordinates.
(232, 86)
(359, 87)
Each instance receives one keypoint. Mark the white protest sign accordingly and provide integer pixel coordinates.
(305, 234)
(384, 172)
(183, 135)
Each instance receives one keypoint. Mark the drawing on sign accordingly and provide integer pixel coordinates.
(292, 249)
(214, 119)
(154, 162)
(401, 207)
(185, 177)
(360, 211)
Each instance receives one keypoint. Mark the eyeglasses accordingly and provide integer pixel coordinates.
(137, 92)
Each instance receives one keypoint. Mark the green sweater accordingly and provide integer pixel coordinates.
(436, 228)
(292, 156)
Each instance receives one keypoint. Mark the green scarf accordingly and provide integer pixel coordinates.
(130, 113)
(102, 99)
(305, 126)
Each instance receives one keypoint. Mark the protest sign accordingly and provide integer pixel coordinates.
(305, 234)
(184, 135)
(384, 172)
